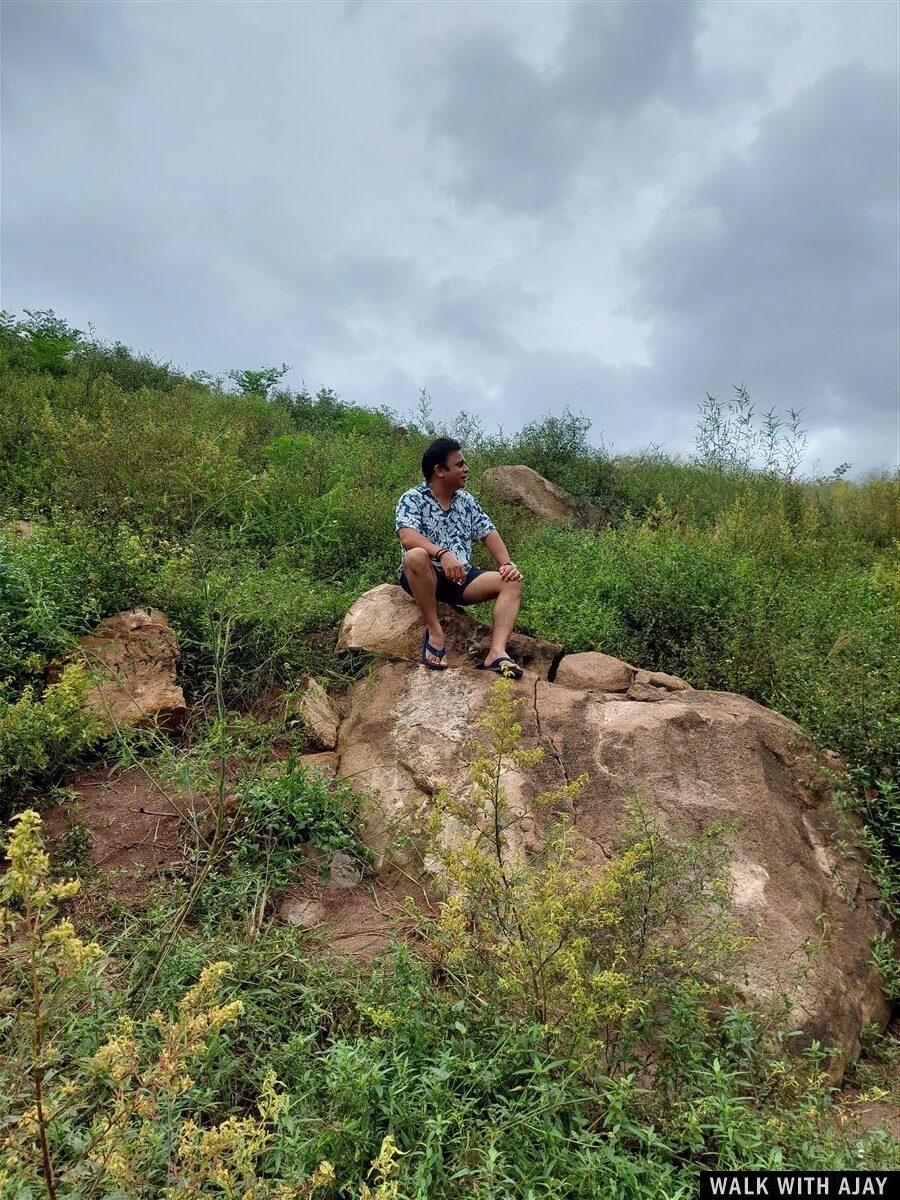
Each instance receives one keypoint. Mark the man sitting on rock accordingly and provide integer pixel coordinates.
(436, 523)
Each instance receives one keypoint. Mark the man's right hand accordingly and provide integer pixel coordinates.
(452, 568)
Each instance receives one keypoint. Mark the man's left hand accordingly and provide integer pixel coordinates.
(510, 573)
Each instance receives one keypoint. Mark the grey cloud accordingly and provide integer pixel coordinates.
(518, 134)
(615, 58)
(50, 49)
(475, 314)
(166, 292)
(244, 184)
(619, 401)
(395, 292)
(780, 269)
(515, 146)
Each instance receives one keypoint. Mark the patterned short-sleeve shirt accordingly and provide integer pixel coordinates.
(464, 522)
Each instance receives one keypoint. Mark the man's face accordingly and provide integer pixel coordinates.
(455, 472)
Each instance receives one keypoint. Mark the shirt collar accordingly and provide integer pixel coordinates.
(423, 487)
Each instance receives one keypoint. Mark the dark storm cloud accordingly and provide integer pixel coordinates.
(518, 133)
(47, 49)
(780, 269)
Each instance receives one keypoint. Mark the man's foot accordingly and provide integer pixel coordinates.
(433, 651)
(501, 664)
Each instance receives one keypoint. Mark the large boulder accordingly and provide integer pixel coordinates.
(696, 757)
(522, 485)
(385, 621)
(132, 659)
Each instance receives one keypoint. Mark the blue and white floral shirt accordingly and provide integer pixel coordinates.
(464, 522)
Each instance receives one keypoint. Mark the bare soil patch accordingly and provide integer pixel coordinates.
(134, 830)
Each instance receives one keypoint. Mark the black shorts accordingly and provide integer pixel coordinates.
(447, 591)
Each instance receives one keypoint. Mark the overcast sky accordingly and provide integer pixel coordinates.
(612, 206)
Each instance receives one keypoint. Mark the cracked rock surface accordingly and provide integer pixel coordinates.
(694, 757)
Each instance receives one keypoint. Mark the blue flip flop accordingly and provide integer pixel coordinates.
(427, 648)
(497, 667)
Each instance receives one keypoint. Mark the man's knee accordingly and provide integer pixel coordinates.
(416, 559)
(513, 586)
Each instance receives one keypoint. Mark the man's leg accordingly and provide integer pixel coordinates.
(423, 584)
(506, 607)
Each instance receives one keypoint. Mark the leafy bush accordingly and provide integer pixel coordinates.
(58, 583)
(42, 343)
(591, 957)
(41, 737)
(295, 806)
(305, 1072)
(558, 448)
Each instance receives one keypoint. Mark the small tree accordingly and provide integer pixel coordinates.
(730, 439)
(258, 383)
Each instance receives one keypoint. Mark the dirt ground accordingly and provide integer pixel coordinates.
(132, 828)
(134, 836)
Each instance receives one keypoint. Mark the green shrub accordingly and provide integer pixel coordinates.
(58, 583)
(294, 806)
(40, 736)
(42, 342)
(469, 1094)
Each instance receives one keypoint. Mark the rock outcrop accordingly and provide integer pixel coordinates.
(592, 672)
(695, 757)
(601, 673)
(315, 714)
(385, 621)
(522, 485)
(132, 659)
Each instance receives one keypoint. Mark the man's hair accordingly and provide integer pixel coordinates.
(436, 455)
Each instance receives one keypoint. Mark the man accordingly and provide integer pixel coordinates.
(436, 523)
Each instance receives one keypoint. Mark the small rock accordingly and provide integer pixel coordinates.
(301, 911)
(592, 672)
(325, 761)
(316, 714)
(345, 871)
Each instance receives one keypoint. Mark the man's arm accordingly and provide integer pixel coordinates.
(449, 563)
(410, 538)
(496, 547)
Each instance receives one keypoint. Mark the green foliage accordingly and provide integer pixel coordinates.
(886, 956)
(731, 439)
(558, 448)
(43, 343)
(293, 807)
(258, 383)
(253, 519)
(309, 1069)
(41, 736)
(591, 955)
